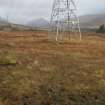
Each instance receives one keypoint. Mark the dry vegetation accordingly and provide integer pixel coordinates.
(35, 71)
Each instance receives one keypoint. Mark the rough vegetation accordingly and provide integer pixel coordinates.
(101, 29)
(35, 71)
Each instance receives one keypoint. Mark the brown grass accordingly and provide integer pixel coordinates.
(50, 72)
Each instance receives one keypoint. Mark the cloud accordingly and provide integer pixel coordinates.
(21, 11)
(91, 6)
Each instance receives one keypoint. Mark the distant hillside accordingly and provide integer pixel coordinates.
(86, 21)
(38, 23)
(92, 21)
(5, 25)
(20, 27)
(3, 22)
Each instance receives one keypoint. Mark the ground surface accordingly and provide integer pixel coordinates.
(35, 71)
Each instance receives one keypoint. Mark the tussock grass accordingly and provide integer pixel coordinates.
(8, 58)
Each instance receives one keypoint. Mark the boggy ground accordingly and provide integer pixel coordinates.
(35, 71)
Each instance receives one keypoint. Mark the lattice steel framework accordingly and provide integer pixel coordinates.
(64, 23)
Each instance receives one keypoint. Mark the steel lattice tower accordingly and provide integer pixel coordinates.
(64, 22)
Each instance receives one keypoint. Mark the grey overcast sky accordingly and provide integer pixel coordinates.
(21, 11)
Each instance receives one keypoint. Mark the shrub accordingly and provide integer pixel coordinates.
(101, 29)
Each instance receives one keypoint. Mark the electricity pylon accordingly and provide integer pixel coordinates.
(64, 22)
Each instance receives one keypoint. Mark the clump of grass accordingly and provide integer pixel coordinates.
(8, 58)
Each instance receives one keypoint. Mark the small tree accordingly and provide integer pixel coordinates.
(101, 29)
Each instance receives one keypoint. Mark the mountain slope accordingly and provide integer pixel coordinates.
(3, 22)
(39, 23)
(6, 25)
(92, 21)
(86, 21)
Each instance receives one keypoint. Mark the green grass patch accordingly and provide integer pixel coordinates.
(8, 58)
